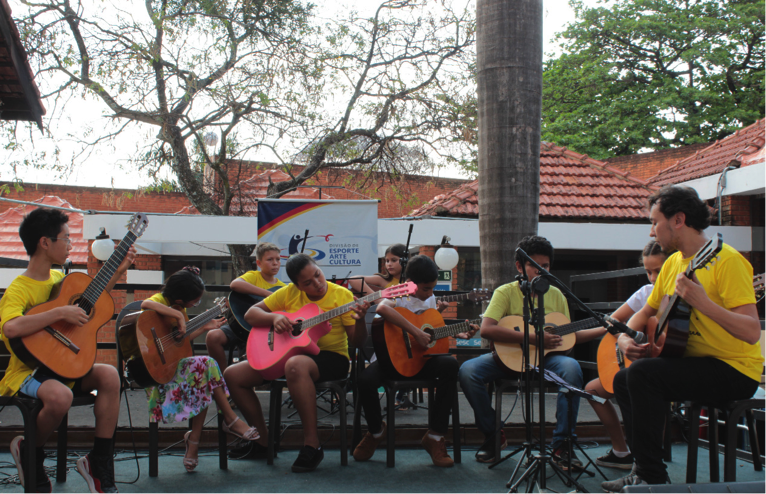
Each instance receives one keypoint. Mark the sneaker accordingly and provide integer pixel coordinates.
(17, 452)
(437, 450)
(632, 479)
(561, 455)
(308, 459)
(611, 460)
(97, 472)
(367, 446)
(249, 451)
(486, 453)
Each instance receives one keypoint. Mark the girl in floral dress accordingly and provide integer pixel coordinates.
(198, 380)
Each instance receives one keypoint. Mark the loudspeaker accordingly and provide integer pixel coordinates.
(720, 488)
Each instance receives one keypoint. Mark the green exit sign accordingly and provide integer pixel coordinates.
(445, 275)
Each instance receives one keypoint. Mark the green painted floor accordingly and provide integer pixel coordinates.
(413, 473)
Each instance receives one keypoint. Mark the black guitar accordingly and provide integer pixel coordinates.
(239, 303)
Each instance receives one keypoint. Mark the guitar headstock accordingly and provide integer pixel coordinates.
(479, 295)
(707, 254)
(397, 291)
(758, 285)
(221, 302)
(137, 224)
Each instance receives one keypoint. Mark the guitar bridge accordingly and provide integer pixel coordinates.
(271, 339)
(63, 339)
(407, 343)
(160, 348)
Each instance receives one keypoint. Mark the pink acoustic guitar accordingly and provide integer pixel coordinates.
(268, 351)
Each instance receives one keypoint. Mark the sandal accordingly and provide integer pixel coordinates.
(189, 463)
(250, 435)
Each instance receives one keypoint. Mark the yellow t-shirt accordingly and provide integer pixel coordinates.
(729, 284)
(22, 294)
(256, 278)
(508, 300)
(160, 299)
(290, 299)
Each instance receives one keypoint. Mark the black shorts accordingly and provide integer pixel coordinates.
(232, 340)
(332, 366)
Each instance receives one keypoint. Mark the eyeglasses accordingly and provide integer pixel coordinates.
(68, 240)
(197, 304)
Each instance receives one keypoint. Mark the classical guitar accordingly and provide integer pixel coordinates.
(65, 349)
(152, 346)
(673, 321)
(475, 295)
(267, 350)
(510, 356)
(396, 348)
(239, 303)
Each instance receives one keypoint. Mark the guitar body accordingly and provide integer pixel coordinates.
(671, 332)
(610, 361)
(68, 361)
(162, 368)
(396, 349)
(239, 303)
(511, 356)
(271, 362)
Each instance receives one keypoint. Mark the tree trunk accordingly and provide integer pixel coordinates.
(240, 258)
(509, 86)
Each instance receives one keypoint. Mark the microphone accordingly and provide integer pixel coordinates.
(619, 327)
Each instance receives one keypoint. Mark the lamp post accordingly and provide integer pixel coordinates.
(103, 246)
(446, 257)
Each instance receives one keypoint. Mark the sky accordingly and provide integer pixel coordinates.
(101, 168)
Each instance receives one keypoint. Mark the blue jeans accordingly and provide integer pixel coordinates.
(476, 373)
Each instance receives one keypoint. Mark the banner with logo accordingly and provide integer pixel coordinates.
(342, 235)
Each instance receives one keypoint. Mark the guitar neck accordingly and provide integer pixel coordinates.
(104, 275)
(572, 327)
(453, 298)
(326, 316)
(203, 319)
(454, 329)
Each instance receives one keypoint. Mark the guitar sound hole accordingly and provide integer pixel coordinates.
(83, 304)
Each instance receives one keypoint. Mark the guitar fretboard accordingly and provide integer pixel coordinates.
(326, 316)
(572, 327)
(454, 329)
(97, 286)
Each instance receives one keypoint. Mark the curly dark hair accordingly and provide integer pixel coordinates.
(184, 285)
(533, 245)
(296, 264)
(42, 222)
(674, 199)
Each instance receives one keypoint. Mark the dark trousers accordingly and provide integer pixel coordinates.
(644, 390)
(442, 368)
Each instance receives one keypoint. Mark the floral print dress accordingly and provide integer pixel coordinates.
(189, 392)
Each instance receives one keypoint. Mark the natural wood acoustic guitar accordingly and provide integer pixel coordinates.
(511, 356)
(152, 346)
(396, 348)
(67, 350)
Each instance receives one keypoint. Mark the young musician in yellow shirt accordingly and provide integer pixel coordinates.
(46, 239)
(258, 283)
(308, 286)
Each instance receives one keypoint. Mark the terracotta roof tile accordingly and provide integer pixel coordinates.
(572, 186)
(10, 219)
(746, 146)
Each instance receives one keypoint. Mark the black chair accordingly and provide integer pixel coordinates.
(337, 388)
(154, 432)
(29, 409)
(733, 411)
(391, 387)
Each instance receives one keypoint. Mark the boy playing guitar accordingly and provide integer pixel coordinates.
(45, 235)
